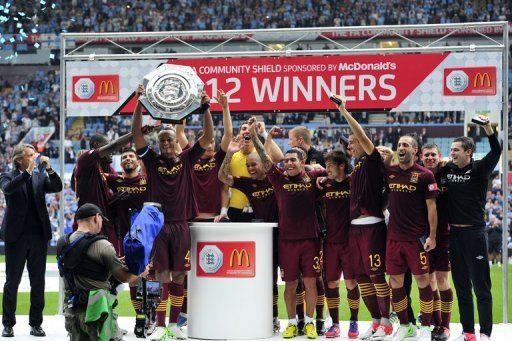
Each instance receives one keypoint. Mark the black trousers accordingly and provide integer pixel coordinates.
(31, 249)
(237, 215)
(470, 271)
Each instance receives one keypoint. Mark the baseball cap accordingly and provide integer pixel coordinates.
(89, 210)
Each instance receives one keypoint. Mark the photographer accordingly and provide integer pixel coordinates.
(467, 181)
(87, 260)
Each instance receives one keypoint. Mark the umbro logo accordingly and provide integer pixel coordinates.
(480, 257)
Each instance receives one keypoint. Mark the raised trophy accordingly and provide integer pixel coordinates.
(172, 92)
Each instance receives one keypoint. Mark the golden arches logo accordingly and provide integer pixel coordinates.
(240, 256)
(105, 86)
(481, 79)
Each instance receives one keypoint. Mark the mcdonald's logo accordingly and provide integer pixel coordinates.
(240, 256)
(481, 79)
(96, 88)
(105, 86)
(470, 81)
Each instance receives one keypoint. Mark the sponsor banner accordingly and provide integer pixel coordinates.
(470, 81)
(226, 259)
(406, 82)
(173, 39)
(426, 32)
(287, 36)
(305, 83)
(95, 88)
(433, 94)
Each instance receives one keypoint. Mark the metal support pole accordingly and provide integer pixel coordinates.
(504, 183)
(62, 135)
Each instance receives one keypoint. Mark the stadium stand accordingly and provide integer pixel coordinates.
(138, 15)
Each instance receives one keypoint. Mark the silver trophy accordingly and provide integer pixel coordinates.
(172, 92)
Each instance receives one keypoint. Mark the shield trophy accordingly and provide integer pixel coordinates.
(172, 92)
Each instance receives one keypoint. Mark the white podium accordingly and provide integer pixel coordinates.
(230, 281)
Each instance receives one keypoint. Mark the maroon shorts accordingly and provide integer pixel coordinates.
(171, 248)
(337, 261)
(298, 257)
(439, 258)
(367, 247)
(114, 240)
(403, 255)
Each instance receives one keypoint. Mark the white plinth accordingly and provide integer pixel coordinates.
(230, 292)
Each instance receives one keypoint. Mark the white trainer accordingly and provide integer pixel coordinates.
(158, 333)
(175, 333)
(369, 332)
(404, 332)
(425, 334)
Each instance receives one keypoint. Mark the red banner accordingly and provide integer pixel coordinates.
(305, 83)
(226, 259)
(470, 81)
(96, 88)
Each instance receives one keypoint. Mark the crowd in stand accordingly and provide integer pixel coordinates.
(159, 15)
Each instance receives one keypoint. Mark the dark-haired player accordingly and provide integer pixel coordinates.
(299, 246)
(335, 199)
(411, 234)
(212, 195)
(90, 173)
(440, 257)
(367, 232)
(169, 177)
(132, 188)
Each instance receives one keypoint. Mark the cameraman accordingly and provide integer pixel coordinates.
(86, 261)
(467, 181)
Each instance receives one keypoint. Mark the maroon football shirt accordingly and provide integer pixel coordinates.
(261, 196)
(367, 185)
(207, 186)
(137, 187)
(90, 183)
(296, 203)
(408, 191)
(335, 198)
(170, 182)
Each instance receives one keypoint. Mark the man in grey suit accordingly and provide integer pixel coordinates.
(26, 231)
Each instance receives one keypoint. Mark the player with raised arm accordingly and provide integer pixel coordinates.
(367, 234)
(169, 178)
(299, 246)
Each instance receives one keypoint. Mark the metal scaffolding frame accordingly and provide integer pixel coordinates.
(487, 32)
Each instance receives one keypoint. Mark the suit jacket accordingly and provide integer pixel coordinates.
(13, 186)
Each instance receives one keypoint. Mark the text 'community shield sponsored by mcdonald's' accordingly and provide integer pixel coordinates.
(226, 259)
(96, 88)
(470, 81)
